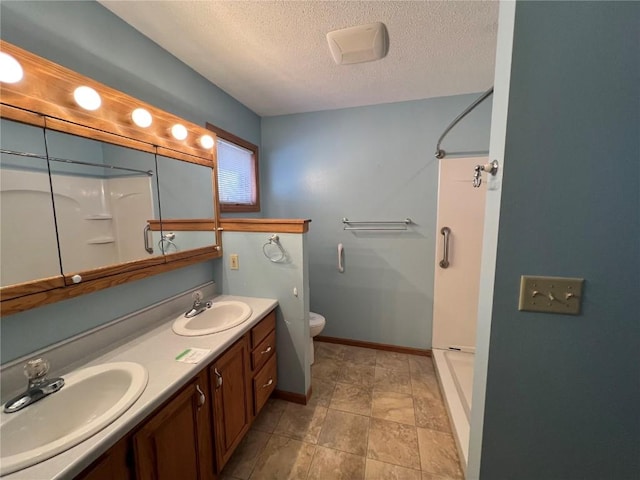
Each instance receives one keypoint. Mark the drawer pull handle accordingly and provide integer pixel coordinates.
(218, 378)
(201, 396)
(269, 383)
(267, 350)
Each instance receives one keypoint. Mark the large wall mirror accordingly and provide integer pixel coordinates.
(28, 242)
(90, 199)
(103, 197)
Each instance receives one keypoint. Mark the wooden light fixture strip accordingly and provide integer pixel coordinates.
(113, 117)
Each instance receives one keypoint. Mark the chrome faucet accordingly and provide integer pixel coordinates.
(39, 385)
(198, 306)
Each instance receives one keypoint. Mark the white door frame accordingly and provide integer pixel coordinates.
(502, 80)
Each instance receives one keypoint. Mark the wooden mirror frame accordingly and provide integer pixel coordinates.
(24, 102)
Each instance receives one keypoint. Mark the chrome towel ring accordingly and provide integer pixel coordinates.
(166, 242)
(278, 258)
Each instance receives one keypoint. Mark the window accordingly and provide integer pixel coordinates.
(238, 181)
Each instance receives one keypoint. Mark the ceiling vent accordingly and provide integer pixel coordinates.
(364, 43)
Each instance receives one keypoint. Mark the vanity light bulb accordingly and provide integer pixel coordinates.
(141, 117)
(179, 132)
(87, 98)
(10, 69)
(206, 141)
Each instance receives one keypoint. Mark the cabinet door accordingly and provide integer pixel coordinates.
(113, 465)
(230, 381)
(176, 442)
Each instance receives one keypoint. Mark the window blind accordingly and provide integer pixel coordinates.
(235, 174)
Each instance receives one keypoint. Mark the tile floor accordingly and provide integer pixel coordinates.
(374, 415)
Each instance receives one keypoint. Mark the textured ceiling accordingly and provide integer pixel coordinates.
(273, 55)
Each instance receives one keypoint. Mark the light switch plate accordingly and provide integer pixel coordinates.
(234, 262)
(550, 294)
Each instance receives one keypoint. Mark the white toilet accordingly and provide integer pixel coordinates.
(316, 324)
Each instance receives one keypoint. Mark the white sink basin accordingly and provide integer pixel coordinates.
(221, 316)
(90, 400)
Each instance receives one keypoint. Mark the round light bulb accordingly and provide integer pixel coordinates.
(206, 141)
(179, 132)
(87, 98)
(10, 69)
(141, 117)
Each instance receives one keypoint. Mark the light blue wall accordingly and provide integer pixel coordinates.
(563, 391)
(185, 188)
(368, 163)
(20, 137)
(259, 277)
(86, 37)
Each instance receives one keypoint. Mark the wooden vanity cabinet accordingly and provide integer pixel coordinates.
(241, 381)
(264, 372)
(193, 435)
(230, 390)
(176, 441)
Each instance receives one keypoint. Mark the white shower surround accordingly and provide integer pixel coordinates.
(100, 222)
(28, 245)
(455, 375)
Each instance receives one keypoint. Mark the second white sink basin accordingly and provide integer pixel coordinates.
(90, 400)
(221, 316)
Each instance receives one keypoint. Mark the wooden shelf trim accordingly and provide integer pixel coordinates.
(19, 115)
(116, 269)
(276, 225)
(183, 225)
(27, 288)
(38, 299)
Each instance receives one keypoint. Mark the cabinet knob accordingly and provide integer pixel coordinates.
(270, 382)
(218, 378)
(267, 350)
(201, 396)
(76, 278)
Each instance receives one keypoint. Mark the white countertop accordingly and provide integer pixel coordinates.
(156, 350)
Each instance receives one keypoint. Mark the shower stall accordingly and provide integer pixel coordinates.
(456, 285)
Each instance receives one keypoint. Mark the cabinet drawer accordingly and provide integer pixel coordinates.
(263, 352)
(264, 383)
(262, 329)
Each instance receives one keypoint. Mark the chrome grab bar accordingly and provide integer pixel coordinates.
(376, 229)
(406, 221)
(444, 263)
(387, 225)
(146, 230)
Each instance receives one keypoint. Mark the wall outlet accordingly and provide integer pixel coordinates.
(550, 294)
(234, 263)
